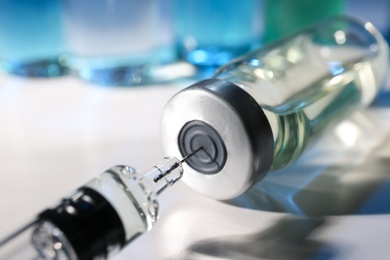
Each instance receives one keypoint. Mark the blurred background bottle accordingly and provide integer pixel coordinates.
(209, 33)
(116, 42)
(375, 11)
(31, 38)
(285, 17)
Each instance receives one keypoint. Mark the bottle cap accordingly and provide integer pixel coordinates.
(232, 131)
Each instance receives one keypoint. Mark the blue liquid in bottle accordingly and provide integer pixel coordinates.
(210, 33)
(31, 39)
(115, 42)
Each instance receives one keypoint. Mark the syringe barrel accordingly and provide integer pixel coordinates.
(98, 219)
(83, 226)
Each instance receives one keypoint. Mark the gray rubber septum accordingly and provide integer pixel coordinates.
(211, 157)
(245, 156)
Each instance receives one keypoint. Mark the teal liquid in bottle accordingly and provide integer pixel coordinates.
(285, 17)
(31, 39)
(209, 33)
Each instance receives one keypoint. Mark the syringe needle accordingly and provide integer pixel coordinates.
(191, 154)
(60, 231)
(175, 165)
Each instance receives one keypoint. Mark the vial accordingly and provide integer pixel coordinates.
(259, 112)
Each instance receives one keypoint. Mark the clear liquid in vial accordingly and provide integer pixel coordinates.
(303, 87)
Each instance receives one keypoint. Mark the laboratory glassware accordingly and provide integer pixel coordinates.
(284, 17)
(117, 42)
(31, 38)
(209, 33)
(259, 112)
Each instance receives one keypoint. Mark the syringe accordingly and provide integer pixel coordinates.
(99, 219)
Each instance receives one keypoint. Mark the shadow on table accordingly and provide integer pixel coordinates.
(347, 172)
(359, 184)
(344, 189)
(326, 182)
(287, 239)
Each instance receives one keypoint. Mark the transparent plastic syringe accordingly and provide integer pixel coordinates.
(99, 219)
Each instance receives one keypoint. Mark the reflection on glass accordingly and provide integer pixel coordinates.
(347, 132)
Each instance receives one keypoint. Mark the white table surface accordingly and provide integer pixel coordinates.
(56, 134)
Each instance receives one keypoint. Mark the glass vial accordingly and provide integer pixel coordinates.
(116, 42)
(285, 17)
(31, 38)
(267, 106)
(209, 33)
